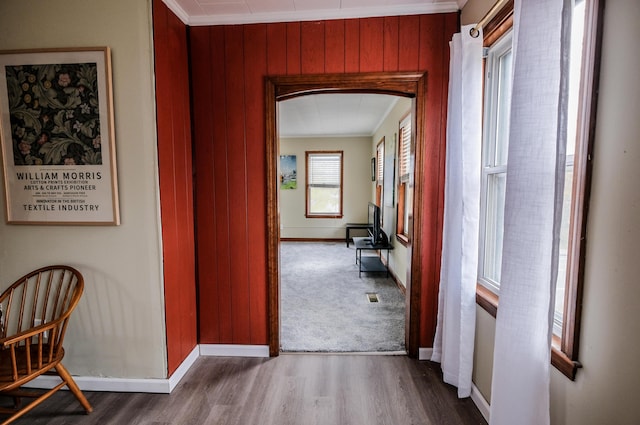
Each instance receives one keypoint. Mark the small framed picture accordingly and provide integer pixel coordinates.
(373, 169)
(288, 172)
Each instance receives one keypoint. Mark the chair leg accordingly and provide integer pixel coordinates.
(66, 377)
(17, 413)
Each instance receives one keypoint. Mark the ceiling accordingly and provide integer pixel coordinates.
(333, 115)
(221, 12)
(318, 115)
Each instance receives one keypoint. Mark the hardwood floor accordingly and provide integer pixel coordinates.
(295, 389)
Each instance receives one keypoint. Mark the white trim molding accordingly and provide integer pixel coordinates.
(123, 385)
(184, 367)
(231, 350)
(154, 385)
(480, 402)
(177, 10)
(425, 353)
(310, 15)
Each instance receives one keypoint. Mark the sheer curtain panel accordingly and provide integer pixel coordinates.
(533, 207)
(454, 339)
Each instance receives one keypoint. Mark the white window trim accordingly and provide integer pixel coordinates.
(490, 128)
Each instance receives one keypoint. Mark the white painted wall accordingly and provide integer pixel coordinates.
(606, 388)
(399, 257)
(356, 187)
(118, 328)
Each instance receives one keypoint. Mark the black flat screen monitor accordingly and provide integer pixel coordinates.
(374, 222)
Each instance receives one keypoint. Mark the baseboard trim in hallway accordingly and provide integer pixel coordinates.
(232, 350)
(124, 385)
(425, 353)
(480, 402)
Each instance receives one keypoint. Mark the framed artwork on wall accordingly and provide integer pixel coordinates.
(288, 172)
(373, 169)
(57, 134)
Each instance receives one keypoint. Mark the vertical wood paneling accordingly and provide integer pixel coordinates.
(185, 277)
(371, 44)
(276, 40)
(204, 170)
(432, 53)
(230, 145)
(450, 26)
(255, 68)
(220, 184)
(352, 45)
(334, 46)
(237, 182)
(391, 43)
(167, 195)
(312, 47)
(408, 40)
(293, 48)
(175, 175)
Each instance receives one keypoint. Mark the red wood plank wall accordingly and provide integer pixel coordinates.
(228, 65)
(176, 187)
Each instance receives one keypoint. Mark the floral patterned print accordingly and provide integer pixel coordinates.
(54, 114)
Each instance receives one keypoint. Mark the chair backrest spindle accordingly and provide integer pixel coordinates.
(34, 315)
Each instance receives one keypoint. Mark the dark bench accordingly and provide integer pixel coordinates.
(351, 226)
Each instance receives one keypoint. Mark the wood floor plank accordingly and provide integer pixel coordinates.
(292, 389)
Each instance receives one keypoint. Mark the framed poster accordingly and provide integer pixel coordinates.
(57, 134)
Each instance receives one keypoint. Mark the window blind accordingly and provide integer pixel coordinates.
(324, 170)
(380, 163)
(404, 150)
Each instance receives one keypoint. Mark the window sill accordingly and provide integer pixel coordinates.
(402, 239)
(489, 302)
(323, 215)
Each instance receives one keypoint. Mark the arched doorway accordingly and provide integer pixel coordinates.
(279, 88)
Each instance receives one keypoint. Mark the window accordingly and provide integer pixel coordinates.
(583, 69)
(324, 184)
(404, 170)
(379, 177)
(494, 159)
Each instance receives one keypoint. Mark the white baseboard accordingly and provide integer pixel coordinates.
(124, 385)
(94, 383)
(230, 350)
(154, 385)
(184, 367)
(480, 402)
(425, 353)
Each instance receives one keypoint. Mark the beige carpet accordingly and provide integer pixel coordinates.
(324, 305)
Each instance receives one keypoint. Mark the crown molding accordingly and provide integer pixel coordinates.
(177, 10)
(311, 15)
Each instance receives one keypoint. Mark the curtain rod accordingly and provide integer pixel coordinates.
(474, 32)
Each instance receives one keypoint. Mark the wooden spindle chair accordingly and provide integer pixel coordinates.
(35, 314)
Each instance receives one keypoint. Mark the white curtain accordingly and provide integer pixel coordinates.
(535, 181)
(454, 339)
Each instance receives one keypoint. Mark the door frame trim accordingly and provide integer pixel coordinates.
(408, 84)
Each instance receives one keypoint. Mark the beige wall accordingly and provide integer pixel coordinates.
(606, 388)
(356, 187)
(399, 256)
(118, 328)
